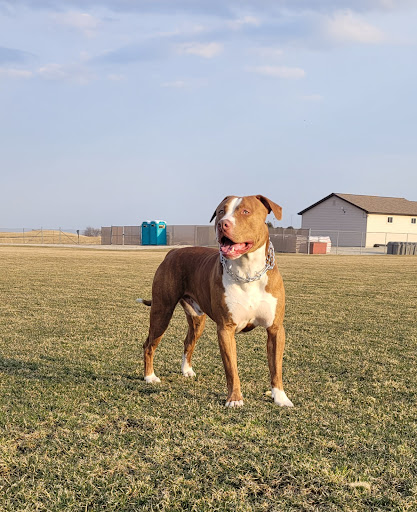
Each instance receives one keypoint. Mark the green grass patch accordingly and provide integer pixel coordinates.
(80, 429)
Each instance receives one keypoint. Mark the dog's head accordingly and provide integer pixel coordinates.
(240, 224)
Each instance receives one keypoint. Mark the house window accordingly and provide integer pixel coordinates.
(413, 221)
(390, 219)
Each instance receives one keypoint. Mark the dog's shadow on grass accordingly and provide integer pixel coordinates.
(52, 369)
(47, 369)
(56, 370)
(17, 367)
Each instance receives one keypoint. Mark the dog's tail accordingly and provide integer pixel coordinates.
(144, 301)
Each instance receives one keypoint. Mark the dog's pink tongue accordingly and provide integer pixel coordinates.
(231, 250)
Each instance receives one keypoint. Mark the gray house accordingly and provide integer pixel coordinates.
(356, 220)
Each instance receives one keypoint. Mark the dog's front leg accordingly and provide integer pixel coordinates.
(275, 349)
(227, 344)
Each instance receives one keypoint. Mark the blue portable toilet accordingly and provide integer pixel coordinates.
(152, 233)
(161, 233)
(146, 232)
(158, 235)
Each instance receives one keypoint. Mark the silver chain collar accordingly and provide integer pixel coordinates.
(269, 265)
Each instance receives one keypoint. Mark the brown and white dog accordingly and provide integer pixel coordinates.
(239, 290)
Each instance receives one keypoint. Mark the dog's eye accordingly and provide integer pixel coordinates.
(220, 212)
(246, 212)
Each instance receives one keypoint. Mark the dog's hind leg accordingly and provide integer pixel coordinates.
(161, 314)
(167, 290)
(196, 321)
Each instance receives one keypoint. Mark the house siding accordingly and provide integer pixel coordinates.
(380, 231)
(336, 215)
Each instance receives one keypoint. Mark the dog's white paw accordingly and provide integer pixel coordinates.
(235, 403)
(152, 379)
(186, 369)
(189, 373)
(280, 398)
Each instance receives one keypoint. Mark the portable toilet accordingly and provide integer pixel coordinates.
(146, 232)
(162, 233)
(158, 234)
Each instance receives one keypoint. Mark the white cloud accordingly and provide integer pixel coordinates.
(82, 21)
(278, 71)
(388, 4)
(189, 84)
(183, 31)
(345, 26)
(245, 20)
(207, 50)
(52, 72)
(268, 52)
(15, 73)
(77, 74)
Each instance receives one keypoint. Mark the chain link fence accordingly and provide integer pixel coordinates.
(358, 242)
(42, 236)
(176, 235)
(285, 240)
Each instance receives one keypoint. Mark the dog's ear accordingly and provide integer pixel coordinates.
(271, 206)
(215, 211)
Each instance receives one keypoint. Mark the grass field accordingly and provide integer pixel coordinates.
(47, 236)
(81, 431)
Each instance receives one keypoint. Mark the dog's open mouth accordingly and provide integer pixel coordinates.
(232, 250)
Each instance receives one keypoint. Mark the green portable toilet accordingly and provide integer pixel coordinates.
(146, 232)
(158, 235)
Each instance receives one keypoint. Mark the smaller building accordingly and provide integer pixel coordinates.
(357, 220)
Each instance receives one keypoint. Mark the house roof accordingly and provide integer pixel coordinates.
(375, 204)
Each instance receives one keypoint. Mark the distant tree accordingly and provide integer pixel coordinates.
(269, 224)
(90, 231)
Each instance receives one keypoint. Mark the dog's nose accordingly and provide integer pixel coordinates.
(224, 225)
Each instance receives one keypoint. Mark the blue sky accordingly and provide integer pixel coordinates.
(113, 112)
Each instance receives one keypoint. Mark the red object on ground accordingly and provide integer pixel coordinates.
(318, 248)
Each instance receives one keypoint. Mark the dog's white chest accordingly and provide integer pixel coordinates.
(249, 303)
